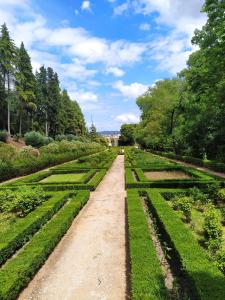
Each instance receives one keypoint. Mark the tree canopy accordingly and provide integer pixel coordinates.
(33, 102)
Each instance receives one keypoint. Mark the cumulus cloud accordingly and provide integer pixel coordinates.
(132, 90)
(144, 27)
(117, 72)
(127, 118)
(86, 5)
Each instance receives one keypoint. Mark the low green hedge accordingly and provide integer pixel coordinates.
(17, 272)
(96, 179)
(23, 229)
(210, 164)
(206, 281)
(147, 282)
(200, 179)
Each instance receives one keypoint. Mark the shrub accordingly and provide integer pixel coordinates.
(184, 204)
(7, 151)
(220, 260)
(213, 229)
(222, 210)
(48, 140)
(3, 136)
(28, 151)
(199, 197)
(21, 201)
(35, 139)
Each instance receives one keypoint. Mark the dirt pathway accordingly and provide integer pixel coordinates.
(89, 262)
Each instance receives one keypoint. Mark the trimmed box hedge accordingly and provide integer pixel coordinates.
(23, 229)
(18, 271)
(147, 282)
(206, 280)
(210, 164)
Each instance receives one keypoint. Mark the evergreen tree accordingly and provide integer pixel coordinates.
(25, 84)
(42, 99)
(93, 132)
(55, 113)
(7, 66)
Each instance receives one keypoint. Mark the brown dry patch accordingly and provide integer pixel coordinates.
(160, 175)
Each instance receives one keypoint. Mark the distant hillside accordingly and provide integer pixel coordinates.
(108, 132)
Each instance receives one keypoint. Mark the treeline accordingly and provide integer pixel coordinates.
(33, 101)
(186, 114)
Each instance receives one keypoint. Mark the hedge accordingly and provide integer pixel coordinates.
(200, 179)
(147, 282)
(206, 281)
(18, 271)
(11, 169)
(22, 230)
(210, 164)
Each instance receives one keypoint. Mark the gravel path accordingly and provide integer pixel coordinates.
(90, 261)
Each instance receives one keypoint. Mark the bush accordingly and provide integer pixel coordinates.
(213, 229)
(21, 201)
(184, 204)
(34, 139)
(28, 151)
(3, 136)
(7, 152)
(220, 260)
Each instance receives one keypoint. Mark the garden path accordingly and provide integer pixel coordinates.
(90, 261)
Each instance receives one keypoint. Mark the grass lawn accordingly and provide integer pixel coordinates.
(63, 178)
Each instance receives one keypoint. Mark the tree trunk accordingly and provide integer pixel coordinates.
(20, 128)
(46, 124)
(8, 108)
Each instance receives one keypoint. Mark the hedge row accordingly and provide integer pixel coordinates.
(166, 183)
(9, 170)
(147, 282)
(23, 229)
(206, 281)
(18, 271)
(210, 164)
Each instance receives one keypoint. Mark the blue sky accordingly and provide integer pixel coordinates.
(106, 52)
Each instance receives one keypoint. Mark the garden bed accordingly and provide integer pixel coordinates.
(160, 175)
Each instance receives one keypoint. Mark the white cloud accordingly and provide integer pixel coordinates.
(120, 9)
(86, 5)
(117, 72)
(132, 90)
(144, 27)
(127, 118)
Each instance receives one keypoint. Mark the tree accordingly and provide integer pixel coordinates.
(74, 119)
(25, 84)
(127, 134)
(42, 99)
(7, 66)
(159, 107)
(93, 132)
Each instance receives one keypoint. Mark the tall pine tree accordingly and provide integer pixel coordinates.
(25, 84)
(7, 66)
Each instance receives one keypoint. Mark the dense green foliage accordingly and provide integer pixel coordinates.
(33, 102)
(186, 114)
(20, 269)
(22, 201)
(13, 164)
(147, 281)
(206, 281)
(19, 231)
(127, 135)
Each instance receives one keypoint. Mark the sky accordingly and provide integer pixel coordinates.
(106, 52)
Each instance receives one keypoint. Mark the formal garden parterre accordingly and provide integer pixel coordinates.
(188, 216)
(37, 210)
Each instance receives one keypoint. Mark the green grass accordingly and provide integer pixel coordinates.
(59, 178)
